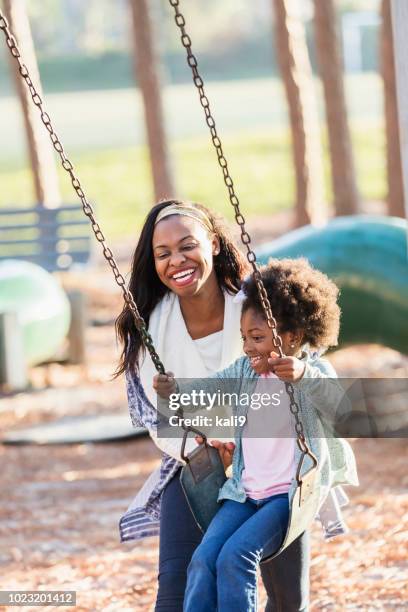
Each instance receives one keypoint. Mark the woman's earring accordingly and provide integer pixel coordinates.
(292, 346)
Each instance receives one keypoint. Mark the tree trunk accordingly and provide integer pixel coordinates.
(346, 198)
(395, 198)
(39, 146)
(399, 12)
(294, 63)
(148, 76)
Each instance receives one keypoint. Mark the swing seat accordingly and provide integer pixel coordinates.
(304, 502)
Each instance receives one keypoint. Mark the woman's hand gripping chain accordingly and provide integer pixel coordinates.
(225, 450)
(164, 384)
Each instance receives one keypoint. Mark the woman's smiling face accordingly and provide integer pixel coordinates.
(183, 254)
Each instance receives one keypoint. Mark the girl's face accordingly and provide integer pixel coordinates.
(258, 341)
(183, 254)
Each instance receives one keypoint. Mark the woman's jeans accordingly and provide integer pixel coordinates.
(223, 571)
(286, 577)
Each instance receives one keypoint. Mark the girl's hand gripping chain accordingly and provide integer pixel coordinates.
(287, 369)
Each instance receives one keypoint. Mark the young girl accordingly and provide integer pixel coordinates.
(252, 521)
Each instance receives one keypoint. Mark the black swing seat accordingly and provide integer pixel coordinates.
(54, 238)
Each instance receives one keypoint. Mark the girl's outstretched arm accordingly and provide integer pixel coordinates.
(320, 383)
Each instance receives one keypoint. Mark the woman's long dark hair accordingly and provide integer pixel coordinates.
(147, 289)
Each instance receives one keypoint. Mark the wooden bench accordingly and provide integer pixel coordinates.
(54, 238)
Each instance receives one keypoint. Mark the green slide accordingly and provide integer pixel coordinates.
(41, 306)
(367, 257)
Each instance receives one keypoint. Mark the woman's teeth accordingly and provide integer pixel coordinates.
(255, 360)
(182, 277)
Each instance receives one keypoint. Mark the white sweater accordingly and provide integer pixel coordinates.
(188, 358)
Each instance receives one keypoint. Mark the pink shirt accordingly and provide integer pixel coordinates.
(270, 460)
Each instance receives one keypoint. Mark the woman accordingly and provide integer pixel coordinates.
(185, 274)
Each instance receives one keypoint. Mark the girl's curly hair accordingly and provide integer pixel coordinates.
(301, 298)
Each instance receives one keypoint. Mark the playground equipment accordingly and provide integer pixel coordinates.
(77, 430)
(367, 258)
(34, 316)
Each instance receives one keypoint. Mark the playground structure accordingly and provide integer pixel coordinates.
(40, 306)
(35, 313)
(39, 322)
(367, 258)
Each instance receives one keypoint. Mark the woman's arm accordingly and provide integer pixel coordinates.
(143, 414)
(166, 387)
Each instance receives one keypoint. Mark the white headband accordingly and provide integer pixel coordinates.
(186, 211)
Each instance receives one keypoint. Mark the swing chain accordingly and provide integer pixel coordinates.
(87, 208)
(240, 219)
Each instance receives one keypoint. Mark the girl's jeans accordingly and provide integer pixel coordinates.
(286, 577)
(222, 574)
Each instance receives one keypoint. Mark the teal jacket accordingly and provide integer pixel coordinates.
(316, 401)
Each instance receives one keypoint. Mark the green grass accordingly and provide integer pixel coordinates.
(118, 180)
(103, 133)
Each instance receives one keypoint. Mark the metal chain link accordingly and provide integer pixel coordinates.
(87, 208)
(240, 219)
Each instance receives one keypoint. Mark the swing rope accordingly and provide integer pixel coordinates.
(100, 237)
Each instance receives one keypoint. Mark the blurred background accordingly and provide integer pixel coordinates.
(85, 53)
(304, 94)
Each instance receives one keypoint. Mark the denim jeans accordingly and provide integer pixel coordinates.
(179, 537)
(286, 577)
(222, 574)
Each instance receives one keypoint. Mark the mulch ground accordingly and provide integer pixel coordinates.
(60, 510)
(60, 506)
